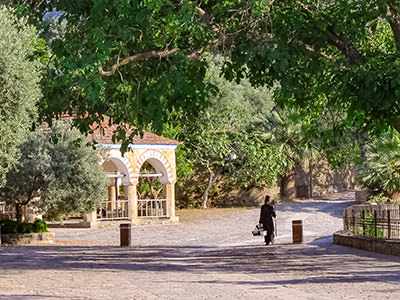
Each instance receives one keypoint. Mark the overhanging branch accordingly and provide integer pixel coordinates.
(156, 54)
(141, 56)
(206, 19)
(394, 22)
(339, 41)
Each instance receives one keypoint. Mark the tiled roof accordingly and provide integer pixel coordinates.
(102, 134)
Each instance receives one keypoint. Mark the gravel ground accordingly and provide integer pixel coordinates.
(321, 217)
(211, 258)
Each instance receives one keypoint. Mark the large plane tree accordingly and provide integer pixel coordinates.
(134, 60)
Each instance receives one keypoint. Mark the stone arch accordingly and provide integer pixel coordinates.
(160, 164)
(122, 165)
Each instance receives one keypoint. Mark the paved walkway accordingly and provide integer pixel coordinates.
(207, 259)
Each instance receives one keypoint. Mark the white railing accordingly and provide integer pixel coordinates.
(114, 210)
(152, 208)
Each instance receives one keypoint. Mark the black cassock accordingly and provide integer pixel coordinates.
(266, 214)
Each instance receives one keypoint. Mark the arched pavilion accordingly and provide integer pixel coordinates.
(123, 170)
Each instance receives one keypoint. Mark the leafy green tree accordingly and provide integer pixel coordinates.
(242, 158)
(343, 52)
(66, 176)
(380, 168)
(131, 60)
(238, 103)
(220, 144)
(149, 187)
(136, 60)
(288, 130)
(19, 85)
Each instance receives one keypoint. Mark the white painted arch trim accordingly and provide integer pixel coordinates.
(123, 165)
(159, 162)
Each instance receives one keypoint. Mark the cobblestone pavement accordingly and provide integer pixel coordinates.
(207, 259)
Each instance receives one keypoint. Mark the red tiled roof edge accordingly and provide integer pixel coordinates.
(102, 134)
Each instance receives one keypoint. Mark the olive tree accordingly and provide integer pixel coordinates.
(60, 168)
(19, 85)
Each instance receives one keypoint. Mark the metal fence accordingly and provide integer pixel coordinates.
(152, 208)
(114, 210)
(381, 221)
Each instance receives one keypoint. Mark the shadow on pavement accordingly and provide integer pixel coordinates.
(296, 262)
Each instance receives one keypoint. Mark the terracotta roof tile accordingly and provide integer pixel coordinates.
(103, 132)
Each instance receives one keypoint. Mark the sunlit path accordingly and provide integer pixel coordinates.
(208, 259)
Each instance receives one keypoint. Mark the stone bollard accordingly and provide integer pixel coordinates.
(297, 231)
(125, 234)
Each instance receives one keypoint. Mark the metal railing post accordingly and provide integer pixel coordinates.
(363, 221)
(388, 223)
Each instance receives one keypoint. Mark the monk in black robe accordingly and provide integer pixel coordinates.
(266, 221)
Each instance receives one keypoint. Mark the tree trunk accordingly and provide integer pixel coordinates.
(287, 187)
(395, 195)
(311, 182)
(18, 210)
(213, 178)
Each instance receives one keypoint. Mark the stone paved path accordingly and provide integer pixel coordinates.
(207, 259)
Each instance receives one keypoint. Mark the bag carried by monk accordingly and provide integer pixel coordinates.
(259, 230)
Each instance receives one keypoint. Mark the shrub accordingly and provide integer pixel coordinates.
(25, 227)
(39, 226)
(381, 198)
(8, 226)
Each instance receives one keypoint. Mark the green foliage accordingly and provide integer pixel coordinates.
(19, 85)
(380, 168)
(149, 187)
(39, 226)
(369, 225)
(381, 198)
(315, 54)
(99, 34)
(223, 143)
(257, 163)
(66, 175)
(222, 139)
(9, 226)
(238, 104)
(289, 131)
(343, 51)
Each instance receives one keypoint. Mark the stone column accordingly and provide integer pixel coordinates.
(90, 219)
(111, 206)
(130, 191)
(170, 196)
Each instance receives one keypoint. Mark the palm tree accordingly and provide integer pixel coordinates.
(380, 168)
(287, 129)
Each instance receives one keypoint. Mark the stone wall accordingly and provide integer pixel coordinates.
(240, 197)
(27, 238)
(362, 196)
(325, 179)
(379, 245)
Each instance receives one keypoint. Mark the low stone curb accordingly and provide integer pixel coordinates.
(379, 245)
(27, 238)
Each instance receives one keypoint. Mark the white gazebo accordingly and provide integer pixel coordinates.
(123, 171)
